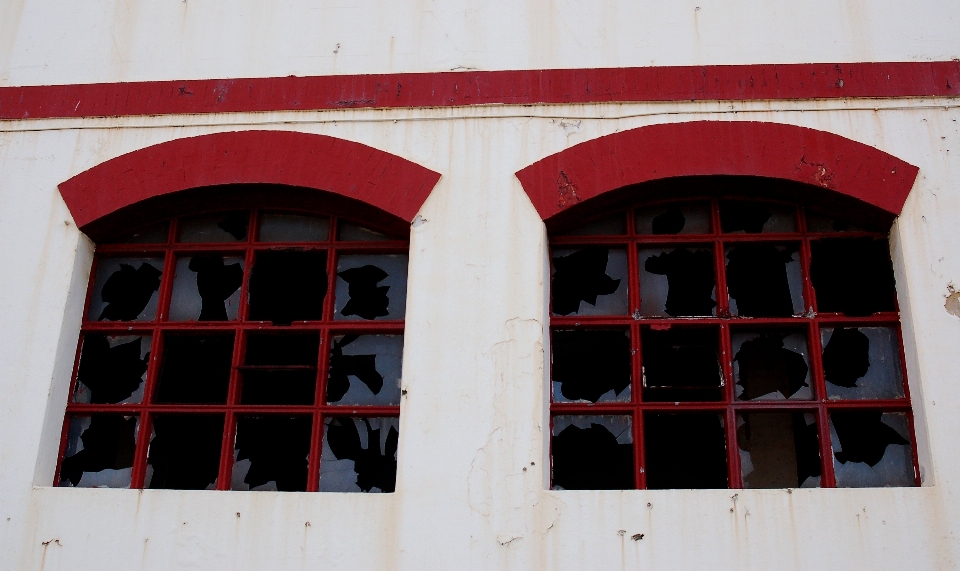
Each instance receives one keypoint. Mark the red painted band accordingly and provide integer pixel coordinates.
(390, 183)
(671, 150)
(523, 87)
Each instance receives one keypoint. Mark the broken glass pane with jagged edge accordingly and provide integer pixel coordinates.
(592, 452)
(771, 364)
(359, 454)
(589, 281)
(350, 232)
(871, 448)
(779, 449)
(283, 227)
(125, 289)
(211, 228)
(113, 369)
(677, 282)
(753, 217)
(764, 280)
(100, 450)
(371, 286)
(184, 452)
(365, 370)
(674, 218)
(613, 225)
(206, 287)
(271, 453)
(591, 365)
(862, 363)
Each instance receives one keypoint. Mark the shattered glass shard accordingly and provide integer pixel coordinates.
(778, 449)
(592, 453)
(288, 286)
(581, 276)
(670, 222)
(128, 292)
(862, 363)
(209, 228)
(754, 217)
(759, 281)
(100, 451)
(215, 282)
(275, 450)
(863, 436)
(184, 452)
(110, 373)
(277, 227)
(590, 364)
(367, 299)
(762, 365)
(363, 367)
(846, 357)
(674, 218)
(853, 276)
(690, 282)
(372, 456)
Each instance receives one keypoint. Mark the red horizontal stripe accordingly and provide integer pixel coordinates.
(523, 87)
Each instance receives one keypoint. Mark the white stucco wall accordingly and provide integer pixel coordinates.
(476, 409)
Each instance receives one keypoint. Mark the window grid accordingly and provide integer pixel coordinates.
(327, 328)
(819, 405)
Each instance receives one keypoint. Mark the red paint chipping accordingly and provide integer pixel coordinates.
(515, 87)
(390, 183)
(718, 148)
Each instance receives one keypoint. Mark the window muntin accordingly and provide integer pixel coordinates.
(263, 380)
(727, 376)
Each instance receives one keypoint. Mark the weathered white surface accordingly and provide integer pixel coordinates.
(54, 42)
(475, 412)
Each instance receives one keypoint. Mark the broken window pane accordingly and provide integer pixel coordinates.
(113, 369)
(681, 364)
(99, 451)
(221, 227)
(288, 286)
(184, 452)
(871, 449)
(591, 281)
(771, 365)
(350, 232)
(685, 450)
(365, 370)
(125, 289)
(359, 454)
(607, 226)
(195, 369)
(371, 286)
(591, 365)
(156, 234)
(764, 280)
(677, 282)
(862, 363)
(817, 222)
(675, 218)
(206, 287)
(271, 454)
(276, 227)
(779, 450)
(592, 452)
(852, 276)
(280, 369)
(755, 217)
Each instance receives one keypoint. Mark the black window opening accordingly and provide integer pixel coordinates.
(724, 343)
(240, 350)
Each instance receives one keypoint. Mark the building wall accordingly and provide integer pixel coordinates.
(472, 482)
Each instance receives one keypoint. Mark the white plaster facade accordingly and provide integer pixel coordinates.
(476, 410)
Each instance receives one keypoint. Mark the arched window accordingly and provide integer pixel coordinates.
(710, 337)
(240, 347)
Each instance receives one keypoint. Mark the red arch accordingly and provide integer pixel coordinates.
(670, 150)
(388, 182)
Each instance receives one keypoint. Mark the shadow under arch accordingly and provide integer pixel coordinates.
(808, 166)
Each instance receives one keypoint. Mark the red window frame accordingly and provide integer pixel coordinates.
(820, 405)
(327, 327)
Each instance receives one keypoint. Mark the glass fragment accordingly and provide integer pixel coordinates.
(278, 227)
(350, 232)
(779, 450)
(752, 217)
(674, 218)
(677, 282)
(206, 287)
(271, 453)
(862, 363)
(589, 281)
(113, 369)
(614, 225)
(764, 280)
(592, 452)
(125, 289)
(871, 449)
(591, 365)
(359, 454)
(371, 287)
(365, 370)
(771, 364)
(100, 450)
(211, 228)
